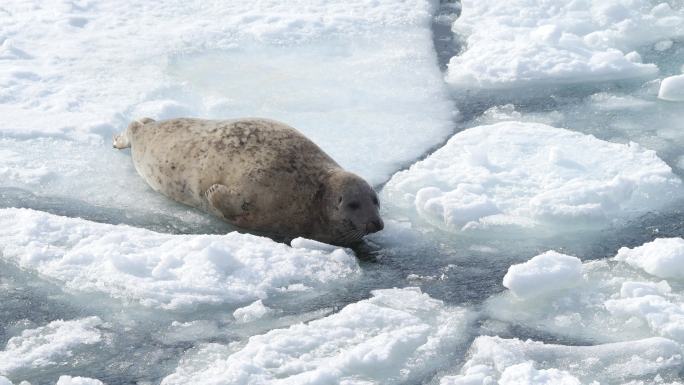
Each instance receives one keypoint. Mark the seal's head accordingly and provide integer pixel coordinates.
(352, 208)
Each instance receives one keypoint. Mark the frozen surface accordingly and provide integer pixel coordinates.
(530, 176)
(360, 78)
(41, 347)
(664, 257)
(396, 336)
(251, 312)
(162, 270)
(526, 43)
(543, 273)
(615, 300)
(68, 380)
(672, 89)
(495, 360)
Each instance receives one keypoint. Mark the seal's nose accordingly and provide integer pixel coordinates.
(374, 226)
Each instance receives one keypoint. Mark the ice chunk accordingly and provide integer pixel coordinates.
(614, 301)
(396, 336)
(544, 273)
(163, 270)
(672, 88)
(68, 380)
(664, 257)
(535, 43)
(531, 176)
(251, 312)
(39, 347)
(512, 361)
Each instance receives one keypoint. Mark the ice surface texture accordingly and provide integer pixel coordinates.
(613, 300)
(40, 347)
(495, 360)
(163, 270)
(516, 175)
(360, 78)
(672, 88)
(530, 42)
(395, 337)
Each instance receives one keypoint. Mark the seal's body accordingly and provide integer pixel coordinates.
(255, 173)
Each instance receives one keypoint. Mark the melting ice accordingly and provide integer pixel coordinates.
(532, 194)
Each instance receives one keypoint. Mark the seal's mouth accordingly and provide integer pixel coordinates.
(352, 236)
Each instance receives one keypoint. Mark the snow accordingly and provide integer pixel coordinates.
(40, 347)
(354, 76)
(616, 300)
(396, 336)
(544, 273)
(663, 257)
(513, 361)
(672, 88)
(530, 176)
(68, 380)
(523, 43)
(163, 270)
(251, 312)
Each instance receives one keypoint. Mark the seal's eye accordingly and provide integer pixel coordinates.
(339, 201)
(375, 201)
(354, 205)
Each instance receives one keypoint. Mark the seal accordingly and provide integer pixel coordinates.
(258, 174)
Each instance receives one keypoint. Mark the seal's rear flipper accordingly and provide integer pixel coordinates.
(224, 201)
(121, 141)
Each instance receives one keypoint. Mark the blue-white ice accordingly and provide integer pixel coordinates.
(531, 191)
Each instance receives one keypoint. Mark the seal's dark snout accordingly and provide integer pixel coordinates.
(374, 226)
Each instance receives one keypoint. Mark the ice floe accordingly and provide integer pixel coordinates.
(495, 360)
(164, 270)
(42, 346)
(358, 77)
(532, 43)
(251, 312)
(63, 380)
(663, 257)
(521, 176)
(543, 273)
(396, 336)
(614, 300)
(68, 380)
(672, 88)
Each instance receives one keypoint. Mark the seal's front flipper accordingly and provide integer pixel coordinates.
(224, 201)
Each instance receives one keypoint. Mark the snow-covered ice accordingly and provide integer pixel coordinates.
(252, 312)
(524, 43)
(63, 380)
(495, 360)
(515, 175)
(545, 272)
(614, 300)
(396, 336)
(69, 380)
(42, 346)
(672, 88)
(163, 270)
(664, 257)
(358, 77)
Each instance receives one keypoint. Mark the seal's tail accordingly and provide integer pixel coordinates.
(122, 140)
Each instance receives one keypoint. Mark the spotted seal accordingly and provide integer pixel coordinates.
(258, 174)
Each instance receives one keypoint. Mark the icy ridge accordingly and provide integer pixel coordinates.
(163, 270)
